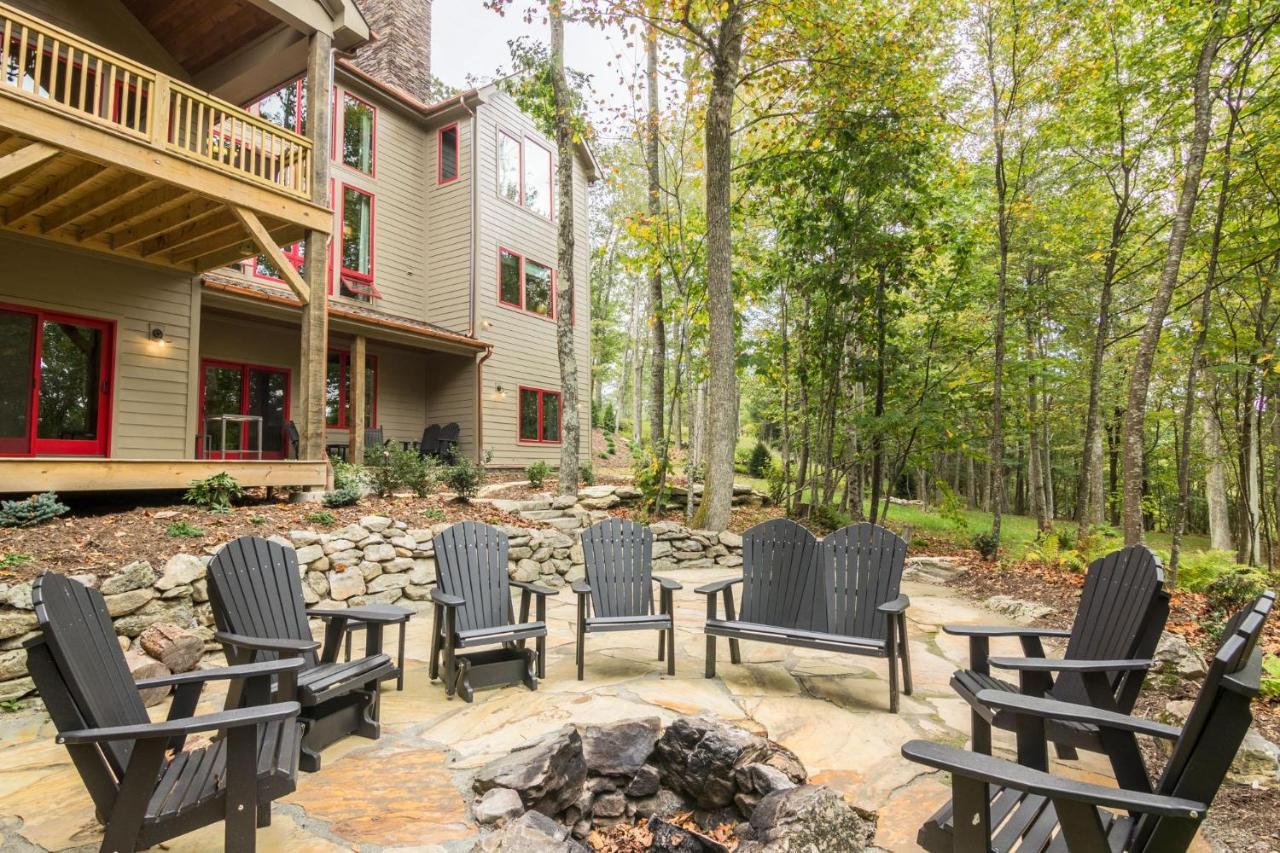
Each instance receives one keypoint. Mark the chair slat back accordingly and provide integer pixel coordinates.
(618, 556)
(471, 562)
(1122, 610)
(864, 565)
(1214, 730)
(255, 588)
(782, 578)
(78, 632)
(430, 439)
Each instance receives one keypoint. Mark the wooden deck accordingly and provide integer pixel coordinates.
(26, 476)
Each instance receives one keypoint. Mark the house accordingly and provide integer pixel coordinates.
(166, 171)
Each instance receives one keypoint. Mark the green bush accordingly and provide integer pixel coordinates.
(1233, 590)
(321, 516)
(36, 509)
(1198, 569)
(830, 517)
(778, 484)
(985, 544)
(1049, 548)
(951, 508)
(758, 464)
(181, 529)
(1271, 676)
(214, 493)
(537, 473)
(14, 559)
(587, 473)
(348, 485)
(391, 468)
(464, 476)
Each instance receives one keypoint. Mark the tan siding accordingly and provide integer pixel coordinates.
(448, 251)
(451, 394)
(149, 408)
(524, 344)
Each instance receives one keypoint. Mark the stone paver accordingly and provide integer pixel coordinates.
(409, 789)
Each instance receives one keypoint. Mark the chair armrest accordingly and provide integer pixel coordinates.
(898, 605)
(364, 614)
(997, 771)
(667, 583)
(1055, 710)
(716, 586)
(185, 726)
(266, 644)
(581, 587)
(534, 588)
(1002, 631)
(445, 599)
(247, 670)
(1069, 665)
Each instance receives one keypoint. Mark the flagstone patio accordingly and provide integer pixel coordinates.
(410, 790)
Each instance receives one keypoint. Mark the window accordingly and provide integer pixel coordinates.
(228, 388)
(539, 416)
(358, 133)
(509, 168)
(357, 244)
(537, 178)
(525, 284)
(509, 289)
(263, 267)
(337, 391)
(285, 107)
(447, 154)
(55, 393)
(537, 288)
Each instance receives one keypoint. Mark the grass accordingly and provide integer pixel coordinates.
(181, 529)
(321, 517)
(14, 559)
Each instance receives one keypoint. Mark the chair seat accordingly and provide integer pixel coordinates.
(501, 634)
(796, 637)
(648, 621)
(196, 777)
(969, 683)
(1021, 822)
(327, 680)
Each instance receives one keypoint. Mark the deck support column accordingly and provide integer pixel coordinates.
(315, 313)
(356, 384)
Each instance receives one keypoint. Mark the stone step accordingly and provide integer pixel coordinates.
(542, 514)
(570, 523)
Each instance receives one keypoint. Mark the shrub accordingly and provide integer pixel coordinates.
(348, 485)
(1232, 590)
(830, 517)
(184, 530)
(391, 468)
(14, 559)
(36, 509)
(951, 509)
(1271, 676)
(1198, 569)
(214, 493)
(778, 484)
(537, 473)
(259, 520)
(985, 544)
(1048, 548)
(433, 513)
(587, 473)
(464, 476)
(758, 464)
(320, 516)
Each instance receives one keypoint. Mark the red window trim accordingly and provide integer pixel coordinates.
(457, 154)
(373, 139)
(541, 392)
(299, 114)
(366, 278)
(503, 250)
(292, 252)
(344, 388)
(519, 201)
(244, 369)
(106, 388)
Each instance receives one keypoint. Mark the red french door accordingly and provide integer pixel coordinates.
(228, 388)
(55, 386)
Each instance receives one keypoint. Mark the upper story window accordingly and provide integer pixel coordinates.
(357, 244)
(524, 173)
(509, 168)
(447, 154)
(264, 267)
(286, 107)
(358, 134)
(525, 284)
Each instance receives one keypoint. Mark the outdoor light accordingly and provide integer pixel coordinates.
(157, 334)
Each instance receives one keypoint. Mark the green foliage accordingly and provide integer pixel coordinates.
(530, 85)
(258, 520)
(433, 513)
(181, 529)
(537, 473)
(1197, 570)
(36, 509)
(1270, 676)
(1233, 589)
(391, 468)
(829, 518)
(321, 516)
(14, 559)
(645, 474)
(587, 473)
(1050, 548)
(951, 508)
(758, 463)
(777, 484)
(215, 493)
(348, 484)
(986, 545)
(11, 706)
(464, 476)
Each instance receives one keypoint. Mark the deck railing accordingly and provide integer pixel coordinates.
(63, 72)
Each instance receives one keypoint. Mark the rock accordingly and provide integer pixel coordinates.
(369, 570)
(177, 648)
(808, 819)
(696, 756)
(620, 749)
(399, 564)
(1017, 609)
(423, 572)
(417, 593)
(133, 576)
(86, 580)
(318, 583)
(308, 554)
(352, 533)
(1175, 656)
(644, 783)
(380, 552)
(375, 523)
(16, 689)
(603, 490)
(19, 596)
(382, 583)
(670, 838)
(762, 779)
(664, 804)
(548, 774)
(563, 501)
(612, 804)
(532, 832)
(527, 571)
(606, 502)
(13, 664)
(628, 493)
(178, 612)
(299, 538)
(730, 540)
(127, 602)
(200, 591)
(14, 623)
(181, 569)
(343, 585)
(1257, 762)
(140, 667)
(497, 805)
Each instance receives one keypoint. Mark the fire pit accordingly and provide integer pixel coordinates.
(699, 786)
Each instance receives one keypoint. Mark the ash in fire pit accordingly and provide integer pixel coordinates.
(699, 786)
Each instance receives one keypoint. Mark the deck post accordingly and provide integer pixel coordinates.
(315, 318)
(356, 384)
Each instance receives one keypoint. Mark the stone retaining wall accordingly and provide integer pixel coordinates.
(377, 560)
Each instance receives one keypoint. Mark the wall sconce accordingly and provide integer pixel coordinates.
(156, 333)
(486, 324)
(499, 392)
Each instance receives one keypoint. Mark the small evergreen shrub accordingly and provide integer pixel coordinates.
(183, 530)
(214, 493)
(321, 517)
(464, 477)
(391, 468)
(587, 473)
(537, 473)
(758, 464)
(348, 485)
(830, 517)
(985, 544)
(36, 509)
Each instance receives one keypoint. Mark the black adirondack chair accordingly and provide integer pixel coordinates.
(472, 599)
(840, 595)
(1122, 611)
(1001, 805)
(146, 787)
(618, 588)
(430, 444)
(256, 595)
(293, 439)
(448, 444)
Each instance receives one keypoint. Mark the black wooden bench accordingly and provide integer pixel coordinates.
(839, 595)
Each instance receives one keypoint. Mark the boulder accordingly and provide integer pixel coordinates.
(127, 602)
(548, 774)
(697, 756)
(343, 585)
(606, 502)
(1257, 762)
(13, 664)
(1017, 609)
(175, 647)
(19, 596)
(644, 783)
(133, 576)
(140, 667)
(181, 569)
(762, 779)
(310, 553)
(382, 583)
(620, 749)
(300, 538)
(532, 832)
(603, 490)
(380, 552)
(178, 612)
(375, 523)
(730, 540)
(527, 571)
(808, 819)
(16, 688)
(497, 805)
(609, 804)
(1174, 656)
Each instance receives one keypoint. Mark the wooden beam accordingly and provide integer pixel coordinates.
(150, 237)
(226, 238)
(95, 475)
(67, 184)
(150, 205)
(193, 232)
(119, 189)
(24, 158)
(268, 247)
(355, 384)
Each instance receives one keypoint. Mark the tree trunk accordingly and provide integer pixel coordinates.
(657, 322)
(565, 278)
(970, 483)
(1215, 484)
(877, 434)
(1035, 476)
(1140, 376)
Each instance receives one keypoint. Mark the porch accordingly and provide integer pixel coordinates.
(22, 476)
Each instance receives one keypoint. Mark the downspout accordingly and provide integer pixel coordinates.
(480, 402)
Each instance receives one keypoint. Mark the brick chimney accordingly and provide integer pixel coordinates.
(400, 53)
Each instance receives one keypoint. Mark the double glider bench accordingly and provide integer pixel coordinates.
(840, 594)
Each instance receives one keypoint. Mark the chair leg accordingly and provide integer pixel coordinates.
(581, 631)
(711, 656)
(580, 654)
(906, 654)
(662, 645)
(370, 724)
(436, 623)
(735, 651)
(671, 650)
(893, 669)
(981, 734)
(241, 819)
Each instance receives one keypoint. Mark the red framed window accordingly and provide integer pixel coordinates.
(359, 133)
(539, 416)
(235, 388)
(55, 390)
(537, 178)
(447, 154)
(510, 168)
(337, 391)
(264, 267)
(356, 268)
(525, 284)
(285, 107)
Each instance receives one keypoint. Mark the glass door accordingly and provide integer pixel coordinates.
(240, 389)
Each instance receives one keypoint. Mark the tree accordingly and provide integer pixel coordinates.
(657, 321)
